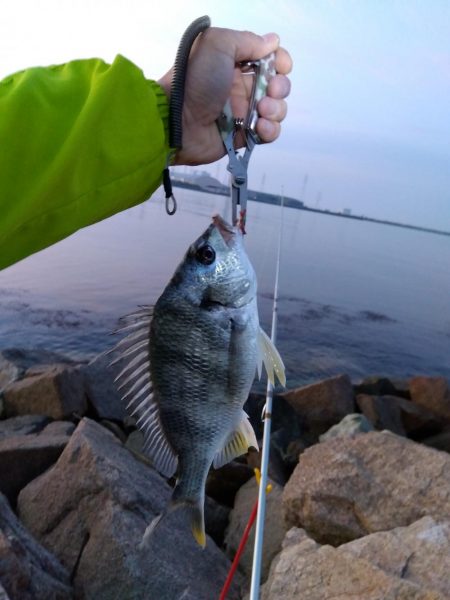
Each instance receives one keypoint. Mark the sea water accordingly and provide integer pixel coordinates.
(355, 297)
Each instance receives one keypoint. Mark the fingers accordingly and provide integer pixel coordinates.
(249, 46)
(274, 110)
(283, 61)
(279, 87)
(267, 130)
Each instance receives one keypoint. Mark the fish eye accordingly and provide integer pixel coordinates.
(206, 254)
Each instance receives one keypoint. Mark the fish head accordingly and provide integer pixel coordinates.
(216, 270)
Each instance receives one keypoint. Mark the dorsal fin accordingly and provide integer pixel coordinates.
(135, 381)
(237, 443)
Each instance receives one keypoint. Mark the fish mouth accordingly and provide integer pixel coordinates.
(227, 231)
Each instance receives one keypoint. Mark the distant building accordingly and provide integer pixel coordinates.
(347, 211)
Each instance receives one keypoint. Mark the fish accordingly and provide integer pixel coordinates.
(192, 359)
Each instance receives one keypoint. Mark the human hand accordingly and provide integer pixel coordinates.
(212, 78)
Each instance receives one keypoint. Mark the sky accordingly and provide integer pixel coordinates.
(368, 127)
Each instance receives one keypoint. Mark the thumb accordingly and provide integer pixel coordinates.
(249, 46)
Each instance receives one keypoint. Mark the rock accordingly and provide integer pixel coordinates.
(416, 420)
(216, 520)
(419, 553)
(216, 515)
(284, 454)
(115, 429)
(58, 392)
(222, 484)
(274, 529)
(364, 569)
(401, 387)
(129, 424)
(91, 510)
(399, 415)
(287, 438)
(321, 405)
(433, 394)
(23, 425)
(283, 416)
(59, 428)
(382, 412)
(14, 362)
(3, 594)
(350, 426)
(101, 390)
(376, 386)
(346, 488)
(27, 570)
(135, 441)
(24, 457)
(440, 441)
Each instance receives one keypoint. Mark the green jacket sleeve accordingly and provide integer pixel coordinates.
(78, 143)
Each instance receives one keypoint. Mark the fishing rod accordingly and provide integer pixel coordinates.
(259, 535)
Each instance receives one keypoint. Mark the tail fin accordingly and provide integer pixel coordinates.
(196, 518)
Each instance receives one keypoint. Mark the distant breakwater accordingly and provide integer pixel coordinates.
(298, 204)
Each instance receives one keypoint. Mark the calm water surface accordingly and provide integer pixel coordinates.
(356, 297)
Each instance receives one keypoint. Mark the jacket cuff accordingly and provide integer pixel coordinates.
(162, 104)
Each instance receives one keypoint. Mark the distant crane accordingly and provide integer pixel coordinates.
(305, 183)
(263, 182)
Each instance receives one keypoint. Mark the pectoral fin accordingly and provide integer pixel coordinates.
(269, 355)
(237, 443)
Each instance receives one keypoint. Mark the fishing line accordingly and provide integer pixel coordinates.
(259, 535)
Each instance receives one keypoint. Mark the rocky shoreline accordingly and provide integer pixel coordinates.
(360, 506)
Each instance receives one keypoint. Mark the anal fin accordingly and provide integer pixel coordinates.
(237, 443)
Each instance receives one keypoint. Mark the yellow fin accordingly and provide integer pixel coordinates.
(237, 443)
(199, 534)
(271, 358)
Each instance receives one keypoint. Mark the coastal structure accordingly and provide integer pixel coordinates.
(203, 182)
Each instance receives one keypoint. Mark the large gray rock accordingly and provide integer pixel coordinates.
(274, 529)
(408, 563)
(345, 488)
(101, 390)
(57, 392)
(419, 553)
(91, 510)
(323, 404)
(27, 570)
(24, 457)
(15, 362)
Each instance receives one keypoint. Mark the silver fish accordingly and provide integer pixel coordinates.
(193, 358)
